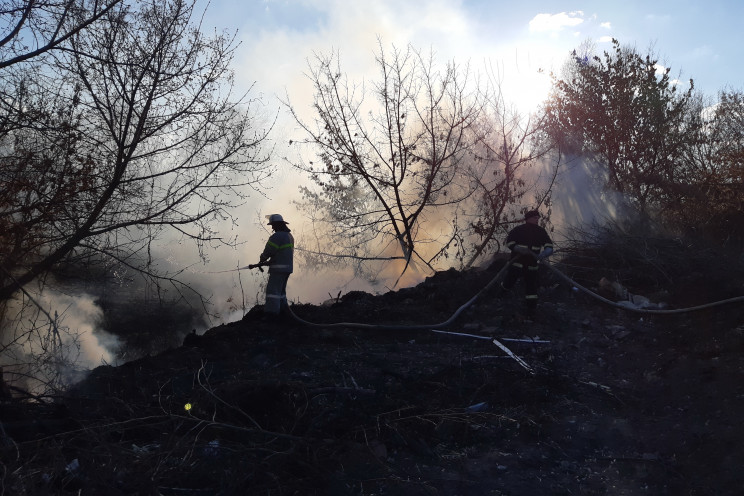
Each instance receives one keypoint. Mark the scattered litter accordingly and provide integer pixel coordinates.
(627, 299)
(536, 339)
(494, 341)
(515, 357)
(148, 448)
(212, 448)
(604, 388)
(476, 336)
(73, 467)
(478, 407)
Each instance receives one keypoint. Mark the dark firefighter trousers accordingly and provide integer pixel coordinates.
(276, 292)
(531, 282)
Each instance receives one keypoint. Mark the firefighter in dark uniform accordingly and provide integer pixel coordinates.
(529, 243)
(279, 253)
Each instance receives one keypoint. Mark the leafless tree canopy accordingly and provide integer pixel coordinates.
(507, 161)
(118, 125)
(422, 164)
(129, 128)
(31, 28)
(387, 166)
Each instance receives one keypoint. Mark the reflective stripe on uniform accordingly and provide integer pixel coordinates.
(279, 247)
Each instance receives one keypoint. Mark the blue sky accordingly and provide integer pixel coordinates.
(702, 40)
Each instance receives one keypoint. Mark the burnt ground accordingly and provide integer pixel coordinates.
(614, 403)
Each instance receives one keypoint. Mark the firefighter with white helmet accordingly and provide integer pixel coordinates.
(278, 254)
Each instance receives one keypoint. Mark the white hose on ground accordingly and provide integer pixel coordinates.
(640, 310)
(494, 281)
(426, 327)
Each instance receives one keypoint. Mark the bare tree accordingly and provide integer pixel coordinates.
(126, 131)
(132, 131)
(387, 169)
(30, 28)
(506, 167)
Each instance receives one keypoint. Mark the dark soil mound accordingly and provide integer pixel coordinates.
(593, 400)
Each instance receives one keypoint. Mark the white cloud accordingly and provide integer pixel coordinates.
(605, 39)
(606, 25)
(555, 22)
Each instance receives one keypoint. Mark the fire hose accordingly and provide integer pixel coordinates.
(640, 310)
(409, 327)
(493, 281)
(487, 287)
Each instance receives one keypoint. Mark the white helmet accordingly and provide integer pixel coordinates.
(275, 218)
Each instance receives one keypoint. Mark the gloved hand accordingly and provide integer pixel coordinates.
(545, 254)
(253, 266)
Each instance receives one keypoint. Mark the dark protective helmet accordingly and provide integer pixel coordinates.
(531, 213)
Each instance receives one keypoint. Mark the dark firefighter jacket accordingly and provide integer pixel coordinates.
(531, 236)
(279, 251)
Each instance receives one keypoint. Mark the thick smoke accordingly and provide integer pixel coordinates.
(579, 199)
(90, 340)
(51, 340)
